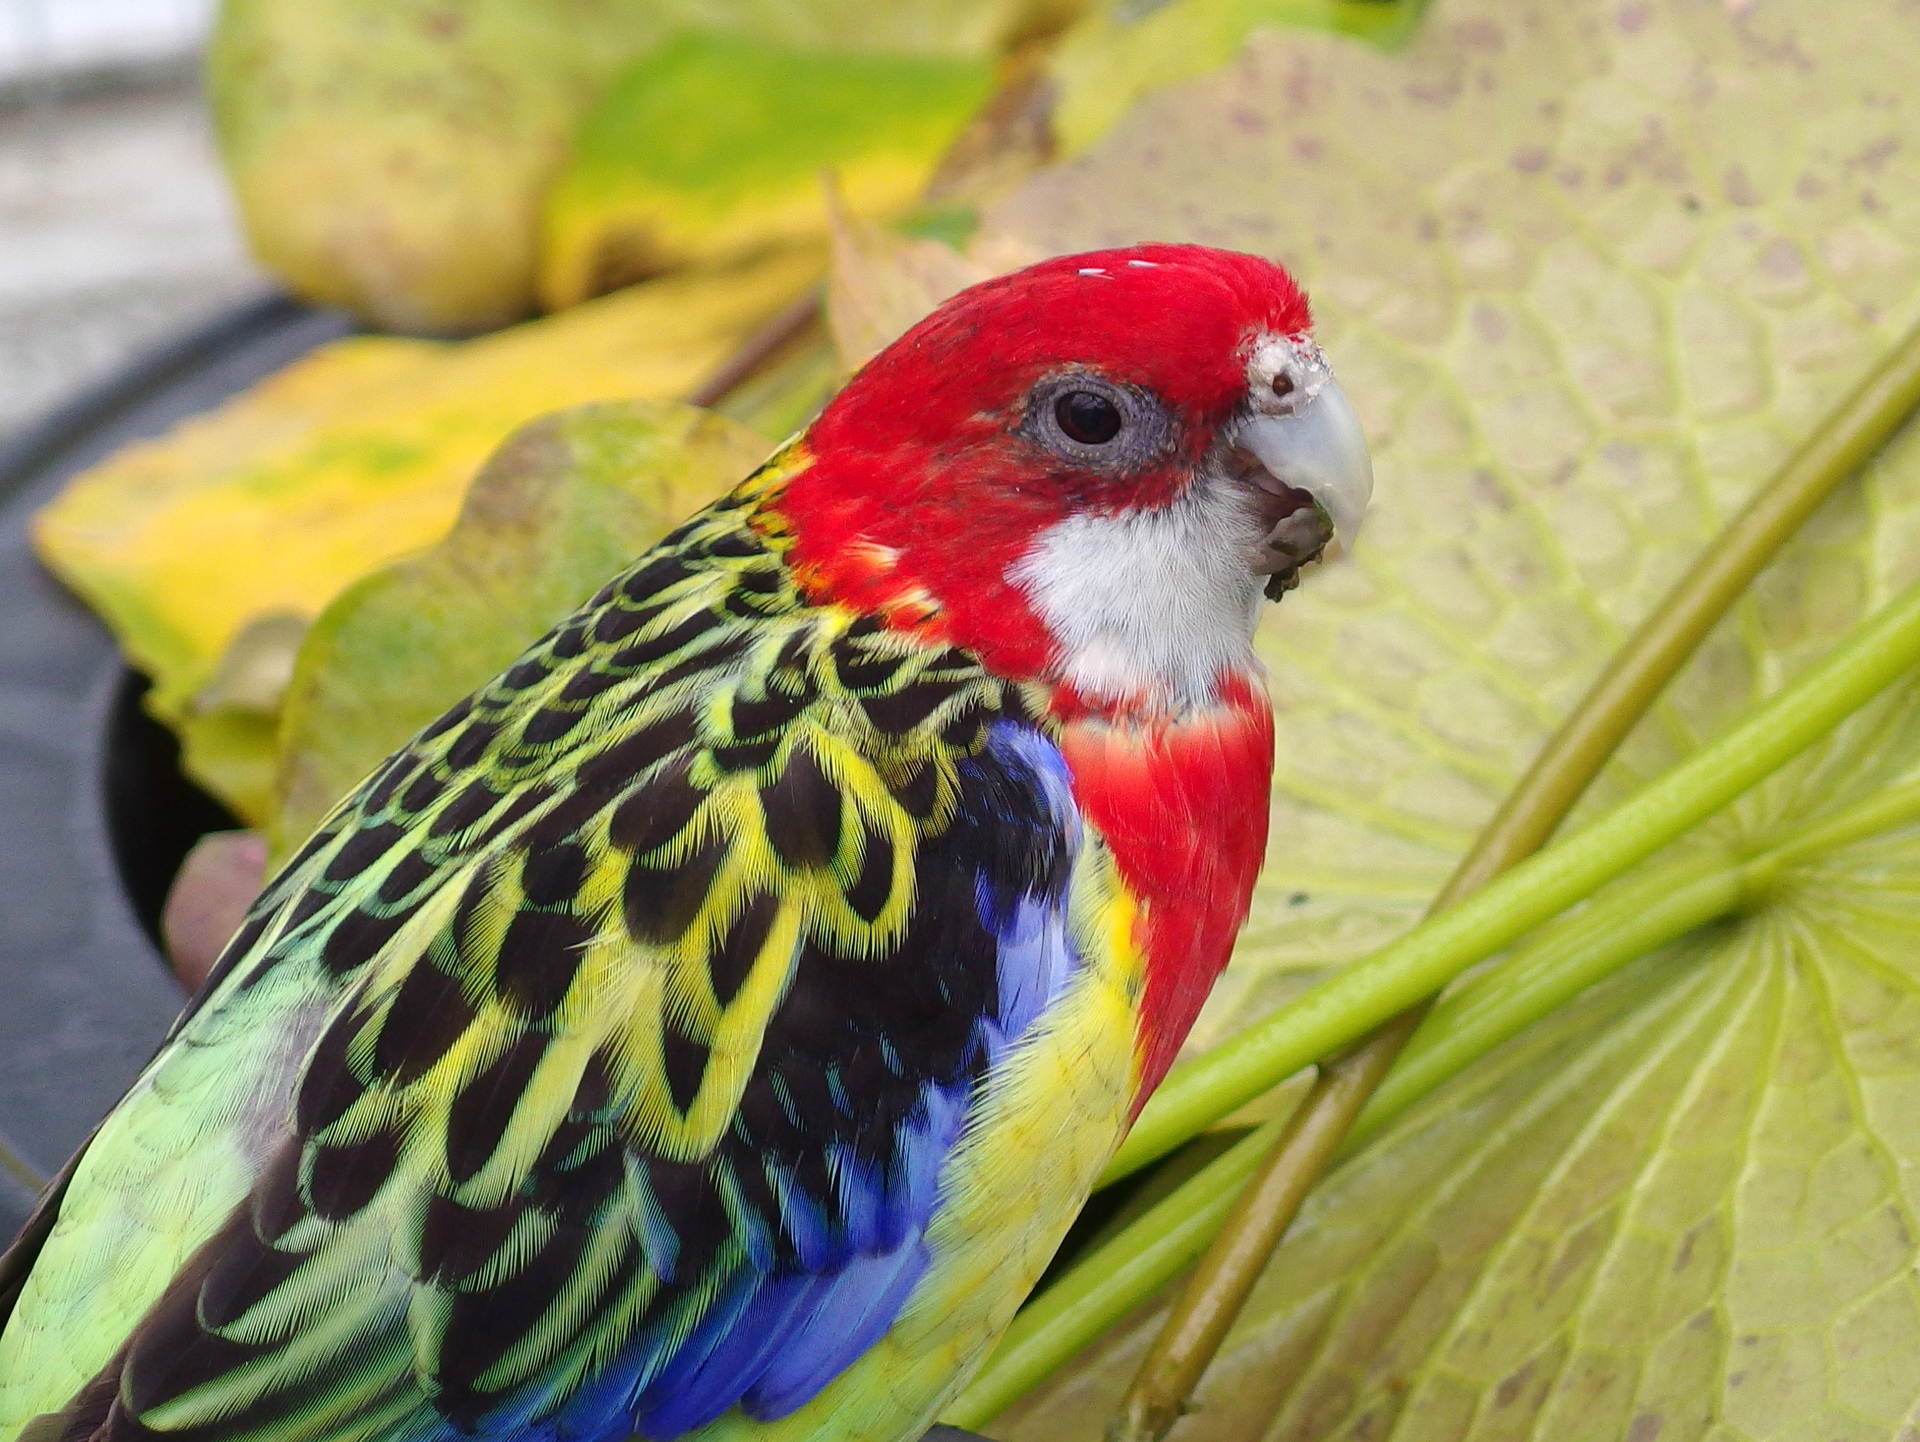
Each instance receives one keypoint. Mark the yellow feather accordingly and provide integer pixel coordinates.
(1062, 1096)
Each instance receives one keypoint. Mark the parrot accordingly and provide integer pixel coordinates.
(711, 1026)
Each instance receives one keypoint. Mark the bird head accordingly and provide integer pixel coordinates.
(1088, 472)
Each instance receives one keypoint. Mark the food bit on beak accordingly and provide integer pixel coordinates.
(1297, 527)
(1302, 447)
(1299, 538)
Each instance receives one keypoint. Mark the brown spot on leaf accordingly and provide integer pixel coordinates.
(1739, 186)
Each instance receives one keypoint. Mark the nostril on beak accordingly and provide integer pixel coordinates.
(1311, 443)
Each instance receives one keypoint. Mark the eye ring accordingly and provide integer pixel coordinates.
(1090, 422)
(1087, 417)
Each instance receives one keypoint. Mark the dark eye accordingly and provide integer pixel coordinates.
(1090, 419)
(1096, 426)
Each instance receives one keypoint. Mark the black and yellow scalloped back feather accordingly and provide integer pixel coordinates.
(643, 1046)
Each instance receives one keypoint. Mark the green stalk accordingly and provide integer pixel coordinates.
(1640, 917)
(1157, 1247)
(1358, 1094)
(1571, 955)
(1110, 1282)
(1234, 1261)
(1843, 443)
(1343, 1008)
(1897, 806)
(1164, 1242)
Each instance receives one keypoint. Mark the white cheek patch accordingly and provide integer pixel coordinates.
(1150, 602)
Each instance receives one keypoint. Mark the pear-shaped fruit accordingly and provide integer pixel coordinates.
(390, 155)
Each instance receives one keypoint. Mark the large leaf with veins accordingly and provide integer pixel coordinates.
(1589, 271)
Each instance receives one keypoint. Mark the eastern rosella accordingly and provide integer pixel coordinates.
(713, 1024)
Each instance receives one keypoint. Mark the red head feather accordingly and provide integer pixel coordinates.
(922, 485)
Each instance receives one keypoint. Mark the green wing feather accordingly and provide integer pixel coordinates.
(544, 940)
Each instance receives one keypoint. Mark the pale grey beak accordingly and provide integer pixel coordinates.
(1318, 448)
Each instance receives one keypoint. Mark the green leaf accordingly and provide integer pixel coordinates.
(1589, 272)
(1584, 305)
(1685, 1199)
(566, 502)
(713, 146)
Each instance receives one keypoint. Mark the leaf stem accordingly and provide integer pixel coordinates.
(1566, 957)
(1111, 1281)
(1564, 960)
(758, 351)
(1339, 1010)
(1233, 1262)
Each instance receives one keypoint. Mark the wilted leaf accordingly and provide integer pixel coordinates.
(881, 283)
(346, 460)
(562, 506)
(1589, 272)
(229, 725)
(712, 147)
(392, 156)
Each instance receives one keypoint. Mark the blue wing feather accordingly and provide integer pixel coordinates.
(828, 1272)
(862, 1254)
(848, 1313)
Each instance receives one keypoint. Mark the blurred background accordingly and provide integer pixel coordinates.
(116, 228)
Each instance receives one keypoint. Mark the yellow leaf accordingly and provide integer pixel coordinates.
(352, 457)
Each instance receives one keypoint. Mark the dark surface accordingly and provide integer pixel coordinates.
(84, 997)
(154, 813)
